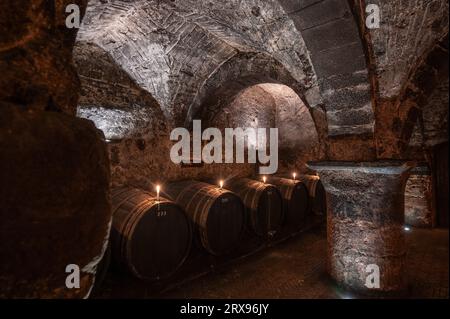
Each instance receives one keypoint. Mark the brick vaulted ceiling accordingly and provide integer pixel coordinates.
(181, 51)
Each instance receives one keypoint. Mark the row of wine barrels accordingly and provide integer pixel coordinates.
(263, 204)
(218, 214)
(317, 194)
(151, 237)
(295, 201)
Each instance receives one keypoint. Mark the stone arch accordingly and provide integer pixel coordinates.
(242, 72)
(239, 72)
(274, 100)
(299, 139)
(332, 37)
(397, 119)
(112, 99)
(129, 116)
(423, 81)
(318, 42)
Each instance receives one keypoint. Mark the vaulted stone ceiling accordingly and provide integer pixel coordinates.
(174, 49)
(407, 30)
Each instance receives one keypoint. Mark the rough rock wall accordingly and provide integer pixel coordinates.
(418, 200)
(432, 126)
(405, 54)
(190, 56)
(171, 48)
(300, 137)
(145, 162)
(332, 38)
(133, 122)
(396, 119)
(55, 169)
(253, 107)
(55, 202)
(274, 106)
(407, 30)
(112, 100)
(35, 49)
(180, 53)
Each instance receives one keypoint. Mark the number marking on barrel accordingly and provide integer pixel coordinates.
(161, 213)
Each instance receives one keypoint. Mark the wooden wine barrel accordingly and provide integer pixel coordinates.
(150, 237)
(317, 194)
(263, 203)
(295, 201)
(218, 214)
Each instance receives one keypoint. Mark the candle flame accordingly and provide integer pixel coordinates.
(294, 175)
(221, 183)
(158, 189)
(264, 179)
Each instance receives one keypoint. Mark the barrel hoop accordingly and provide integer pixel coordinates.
(128, 227)
(201, 213)
(133, 192)
(127, 222)
(188, 205)
(140, 213)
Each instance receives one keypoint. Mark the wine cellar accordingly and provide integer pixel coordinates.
(199, 149)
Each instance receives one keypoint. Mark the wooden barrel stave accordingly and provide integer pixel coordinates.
(150, 238)
(295, 201)
(263, 204)
(218, 214)
(316, 192)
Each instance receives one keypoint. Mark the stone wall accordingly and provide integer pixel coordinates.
(332, 38)
(134, 124)
(432, 126)
(175, 61)
(173, 49)
(112, 100)
(419, 199)
(170, 48)
(55, 170)
(405, 54)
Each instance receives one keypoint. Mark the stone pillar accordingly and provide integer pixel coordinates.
(365, 224)
(419, 198)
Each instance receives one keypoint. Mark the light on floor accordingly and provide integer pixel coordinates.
(407, 228)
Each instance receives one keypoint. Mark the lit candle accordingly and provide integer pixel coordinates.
(158, 189)
(221, 183)
(294, 175)
(264, 179)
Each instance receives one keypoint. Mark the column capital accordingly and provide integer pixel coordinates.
(379, 167)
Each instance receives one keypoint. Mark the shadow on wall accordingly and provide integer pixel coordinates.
(397, 118)
(111, 98)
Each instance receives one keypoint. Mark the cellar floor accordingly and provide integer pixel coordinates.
(296, 269)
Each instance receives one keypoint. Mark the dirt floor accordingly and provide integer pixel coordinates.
(295, 269)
